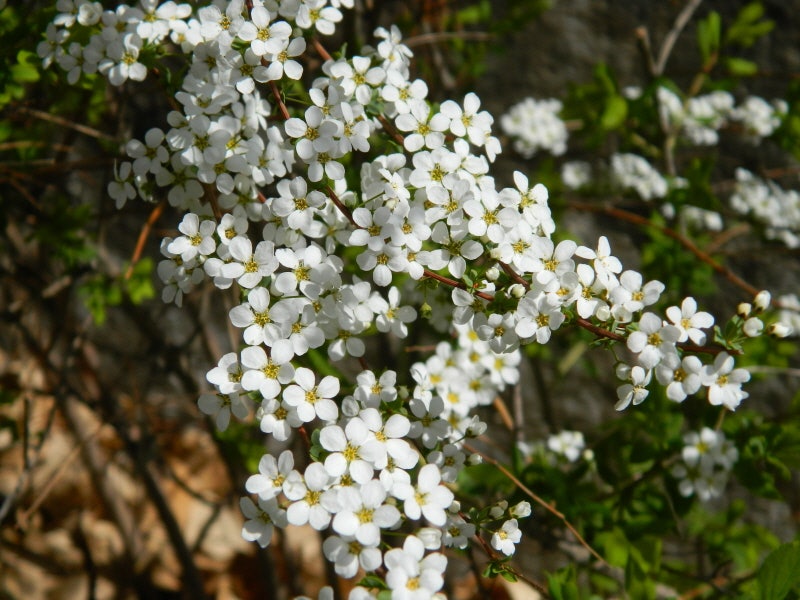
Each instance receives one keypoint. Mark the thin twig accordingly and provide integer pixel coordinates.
(84, 129)
(143, 235)
(630, 217)
(435, 37)
(540, 501)
(672, 36)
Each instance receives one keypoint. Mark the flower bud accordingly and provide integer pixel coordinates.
(753, 327)
(492, 273)
(495, 253)
(425, 310)
(779, 330)
(431, 537)
(474, 459)
(743, 310)
(516, 291)
(761, 301)
(603, 313)
(476, 427)
(498, 510)
(521, 510)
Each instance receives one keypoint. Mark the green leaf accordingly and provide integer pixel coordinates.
(708, 36)
(614, 114)
(25, 71)
(780, 572)
(747, 27)
(140, 284)
(740, 67)
(563, 585)
(372, 581)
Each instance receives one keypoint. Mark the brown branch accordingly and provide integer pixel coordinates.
(509, 270)
(390, 129)
(540, 501)
(435, 37)
(276, 93)
(143, 235)
(324, 54)
(84, 129)
(703, 256)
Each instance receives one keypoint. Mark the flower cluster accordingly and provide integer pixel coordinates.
(776, 209)
(567, 444)
(700, 118)
(535, 125)
(268, 210)
(706, 462)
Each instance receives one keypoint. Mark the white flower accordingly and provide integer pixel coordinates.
(260, 519)
(428, 498)
(264, 373)
(682, 377)
(569, 444)
(344, 446)
(362, 513)
(537, 318)
(457, 532)
(636, 391)
(689, 321)
(197, 238)
(249, 267)
(122, 62)
(653, 341)
(271, 476)
(220, 406)
(312, 400)
(631, 296)
(506, 537)
(425, 129)
(312, 498)
(412, 575)
(347, 554)
(450, 460)
(724, 382)
(264, 37)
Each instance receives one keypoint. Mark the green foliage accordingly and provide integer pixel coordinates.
(599, 105)
(563, 584)
(709, 36)
(749, 26)
(499, 567)
(780, 573)
(100, 291)
(19, 65)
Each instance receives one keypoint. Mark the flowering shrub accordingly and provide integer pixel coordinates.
(348, 212)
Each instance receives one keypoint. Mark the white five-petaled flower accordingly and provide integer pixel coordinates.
(682, 377)
(310, 399)
(505, 538)
(428, 498)
(313, 499)
(347, 554)
(653, 341)
(197, 238)
(261, 519)
(412, 575)
(724, 382)
(689, 321)
(636, 391)
(537, 317)
(271, 476)
(362, 513)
